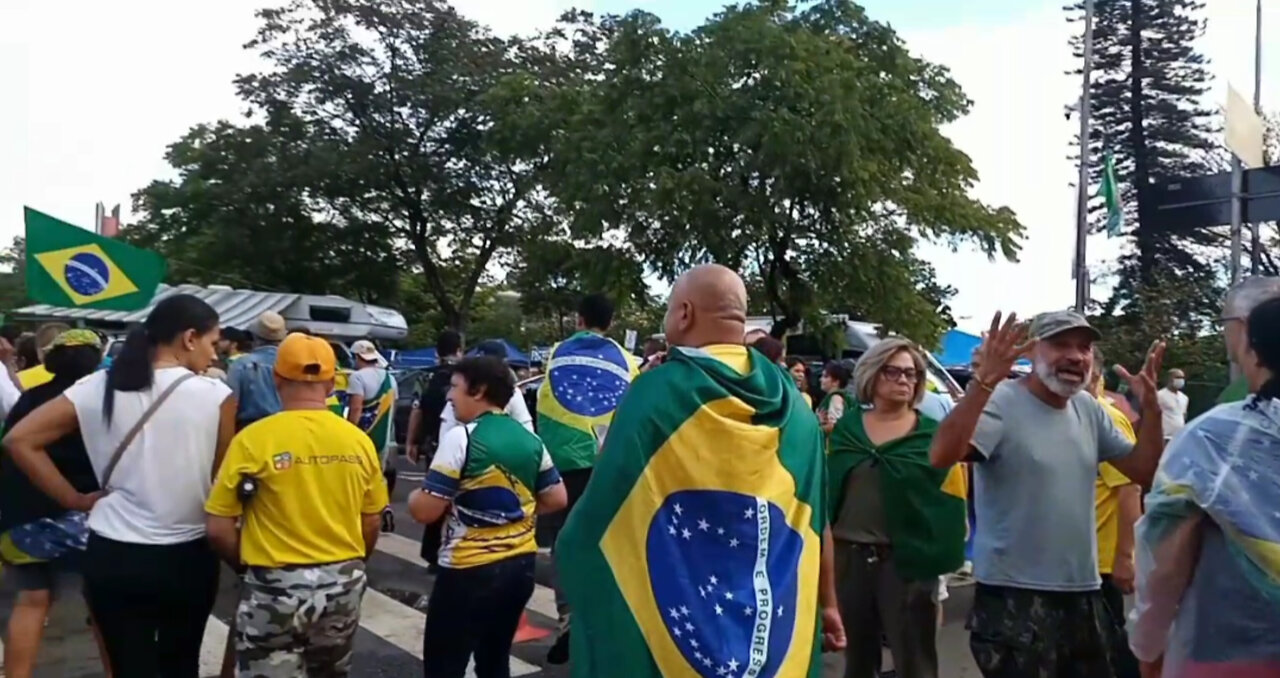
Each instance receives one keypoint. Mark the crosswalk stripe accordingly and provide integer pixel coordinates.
(404, 627)
(381, 615)
(543, 601)
(213, 647)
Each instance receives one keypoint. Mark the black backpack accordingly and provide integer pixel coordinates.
(431, 401)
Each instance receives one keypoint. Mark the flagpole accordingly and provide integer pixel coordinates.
(1255, 227)
(1082, 187)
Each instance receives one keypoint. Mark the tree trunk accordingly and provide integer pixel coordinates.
(1138, 139)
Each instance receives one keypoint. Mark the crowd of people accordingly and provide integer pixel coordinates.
(710, 516)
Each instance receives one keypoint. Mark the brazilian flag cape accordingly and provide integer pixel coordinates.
(587, 376)
(695, 549)
(924, 507)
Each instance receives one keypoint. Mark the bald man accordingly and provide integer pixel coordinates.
(704, 547)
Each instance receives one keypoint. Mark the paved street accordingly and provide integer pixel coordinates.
(390, 638)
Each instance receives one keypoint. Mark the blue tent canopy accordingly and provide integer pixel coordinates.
(957, 349)
(515, 357)
(426, 357)
(416, 358)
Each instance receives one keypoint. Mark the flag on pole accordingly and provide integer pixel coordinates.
(1110, 192)
(71, 267)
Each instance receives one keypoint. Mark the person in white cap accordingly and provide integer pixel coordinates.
(251, 377)
(371, 401)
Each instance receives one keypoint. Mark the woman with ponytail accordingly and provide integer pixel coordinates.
(154, 432)
(1208, 588)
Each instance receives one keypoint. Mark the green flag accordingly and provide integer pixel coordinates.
(1110, 192)
(70, 267)
(695, 549)
(924, 507)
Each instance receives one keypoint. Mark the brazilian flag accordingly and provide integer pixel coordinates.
(924, 507)
(70, 267)
(587, 376)
(695, 549)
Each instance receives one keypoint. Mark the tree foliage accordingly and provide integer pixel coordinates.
(800, 146)
(553, 275)
(243, 212)
(1149, 83)
(13, 275)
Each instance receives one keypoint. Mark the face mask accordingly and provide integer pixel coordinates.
(1179, 383)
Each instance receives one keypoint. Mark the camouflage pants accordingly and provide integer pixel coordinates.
(298, 621)
(1020, 633)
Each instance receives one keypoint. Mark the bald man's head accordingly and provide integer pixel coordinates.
(708, 305)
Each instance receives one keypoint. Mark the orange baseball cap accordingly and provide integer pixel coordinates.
(301, 357)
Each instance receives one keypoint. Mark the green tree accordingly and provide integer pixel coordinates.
(243, 212)
(425, 123)
(552, 275)
(799, 146)
(13, 275)
(1148, 90)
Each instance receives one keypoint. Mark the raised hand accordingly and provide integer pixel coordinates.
(1145, 384)
(1003, 345)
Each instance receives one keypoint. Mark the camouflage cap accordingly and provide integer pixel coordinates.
(1051, 323)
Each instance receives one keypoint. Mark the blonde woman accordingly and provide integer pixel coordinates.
(898, 522)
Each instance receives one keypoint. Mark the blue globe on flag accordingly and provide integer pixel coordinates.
(722, 566)
(589, 375)
(87, 274)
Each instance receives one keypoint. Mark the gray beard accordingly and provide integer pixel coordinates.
(1053, 383)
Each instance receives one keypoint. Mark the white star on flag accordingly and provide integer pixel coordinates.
(703, 524)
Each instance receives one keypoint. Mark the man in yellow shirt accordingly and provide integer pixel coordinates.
(308, 489)
(1118, 504)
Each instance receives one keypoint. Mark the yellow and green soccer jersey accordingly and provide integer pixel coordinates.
(491, 469)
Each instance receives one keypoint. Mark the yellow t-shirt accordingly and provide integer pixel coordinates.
(317, 475)
(1105, 498)
(33, 377)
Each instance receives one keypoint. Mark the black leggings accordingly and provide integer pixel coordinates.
(151, 603)
(475, 611)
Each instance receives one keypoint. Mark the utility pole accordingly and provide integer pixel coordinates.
(1082, 197)
(1255, 228)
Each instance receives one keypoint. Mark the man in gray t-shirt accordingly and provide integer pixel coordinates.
(1036, 444)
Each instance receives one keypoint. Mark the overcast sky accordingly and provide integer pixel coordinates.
(91, 92)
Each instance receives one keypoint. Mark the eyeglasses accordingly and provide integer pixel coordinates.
(892, 373)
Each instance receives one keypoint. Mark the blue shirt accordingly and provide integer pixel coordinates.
(253, 384)
(934, 406)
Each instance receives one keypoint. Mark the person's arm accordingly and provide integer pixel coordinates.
(970, 432)
(1129, 501)
(226, 431)
(833, 635)
(549, 488)
(1167, 568)
(376, 498)
(224, 538)
(959, 435)
(224, 507)
(355, 397)
(443, 480)
(28, 441)
(1140, 463)
(411, 450)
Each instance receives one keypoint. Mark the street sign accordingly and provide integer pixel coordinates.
(1186, 203)
(1243, 129)
(1199, 202)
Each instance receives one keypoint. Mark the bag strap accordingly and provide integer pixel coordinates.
(137, 427)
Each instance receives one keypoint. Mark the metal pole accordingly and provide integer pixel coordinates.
(1255, 228)
(1082, 204)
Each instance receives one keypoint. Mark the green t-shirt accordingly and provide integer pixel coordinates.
(1235, 391)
